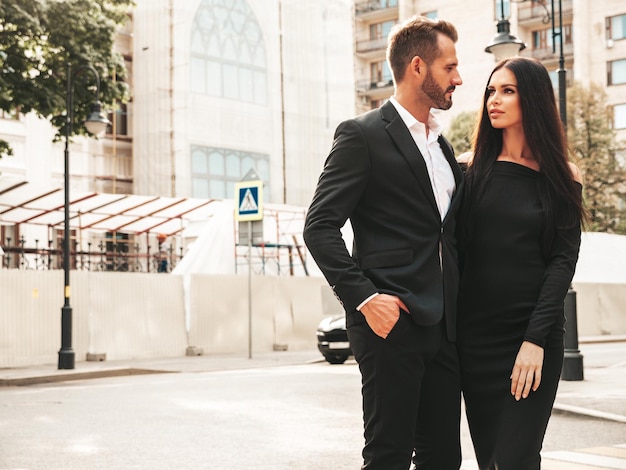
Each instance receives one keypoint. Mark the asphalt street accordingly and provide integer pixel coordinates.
(283, 410)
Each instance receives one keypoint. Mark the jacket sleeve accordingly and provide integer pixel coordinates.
(343, 180)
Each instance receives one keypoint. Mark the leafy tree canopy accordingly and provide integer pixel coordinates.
(593, 143)
(460, 131)
(39, 38)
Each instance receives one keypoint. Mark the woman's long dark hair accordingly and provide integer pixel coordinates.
(546, 140)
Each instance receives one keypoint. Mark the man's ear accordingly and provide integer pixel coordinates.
(417, 65)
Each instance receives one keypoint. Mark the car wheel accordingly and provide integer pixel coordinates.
(336, 359)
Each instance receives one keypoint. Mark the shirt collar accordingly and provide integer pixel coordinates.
(410, 121)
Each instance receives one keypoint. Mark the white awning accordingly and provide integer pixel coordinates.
(24, 203)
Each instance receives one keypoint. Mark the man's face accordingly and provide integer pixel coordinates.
(442, 76)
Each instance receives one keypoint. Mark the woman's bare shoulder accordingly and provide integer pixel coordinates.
(576, 173)
(465, 157)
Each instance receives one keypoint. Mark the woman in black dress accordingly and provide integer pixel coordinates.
(520, 239)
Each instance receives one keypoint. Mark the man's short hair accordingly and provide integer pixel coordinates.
(418, 36)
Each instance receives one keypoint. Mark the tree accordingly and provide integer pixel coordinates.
(460, 131)
(593, 143)
(39, 38)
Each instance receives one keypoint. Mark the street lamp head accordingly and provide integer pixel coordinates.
(504, 44)
(97, 122)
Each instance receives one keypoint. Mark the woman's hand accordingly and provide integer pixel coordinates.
(526, 374)
(382, 313)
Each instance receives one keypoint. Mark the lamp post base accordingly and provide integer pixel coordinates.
(572, 366)
(66, 359)
(66, 353)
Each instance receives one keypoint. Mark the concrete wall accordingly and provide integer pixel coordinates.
(601, 308)
(132, 316)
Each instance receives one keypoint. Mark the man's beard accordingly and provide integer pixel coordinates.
(436, 94)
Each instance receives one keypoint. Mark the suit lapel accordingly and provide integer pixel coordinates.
(458, 175)
(404, 141)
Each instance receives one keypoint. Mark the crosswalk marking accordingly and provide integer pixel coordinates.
(594, 458)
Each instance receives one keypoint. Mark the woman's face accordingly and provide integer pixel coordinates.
(503, 103)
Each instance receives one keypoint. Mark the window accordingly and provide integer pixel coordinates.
(119, 120)
(380, 30)
(616, 27)
(616, 72)
(503, 9)
(380, 73)
(543, 39)
(619, 116)
(431, 14)
(228, 57)
(214, 171)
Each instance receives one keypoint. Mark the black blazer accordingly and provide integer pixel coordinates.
(376, 177)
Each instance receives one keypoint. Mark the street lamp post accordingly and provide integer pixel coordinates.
(96, 124)
(504, 45)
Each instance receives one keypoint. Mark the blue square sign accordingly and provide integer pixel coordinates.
(249, 200)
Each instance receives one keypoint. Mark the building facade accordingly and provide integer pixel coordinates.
(222, 87)
(594, 45)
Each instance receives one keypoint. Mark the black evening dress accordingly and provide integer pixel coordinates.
(514, 281)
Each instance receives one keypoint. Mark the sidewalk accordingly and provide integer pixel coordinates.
(204, 363)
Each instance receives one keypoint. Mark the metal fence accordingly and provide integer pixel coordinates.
(103, 255)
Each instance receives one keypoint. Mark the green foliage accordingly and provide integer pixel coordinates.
(460, 131)
(594, 145)
(39, 38)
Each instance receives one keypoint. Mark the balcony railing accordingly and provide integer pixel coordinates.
(545, 53)
(373, 5)
(367, 85)
(533, 10)
(371, 45)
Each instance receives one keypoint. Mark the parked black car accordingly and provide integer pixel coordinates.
(332, 339)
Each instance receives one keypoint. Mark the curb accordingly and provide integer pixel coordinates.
(96, 374)
(578, 410)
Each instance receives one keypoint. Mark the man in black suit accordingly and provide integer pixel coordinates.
(393, 175)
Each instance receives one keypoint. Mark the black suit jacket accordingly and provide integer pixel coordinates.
(376, 177)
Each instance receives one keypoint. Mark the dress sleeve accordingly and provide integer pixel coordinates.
(557, 279)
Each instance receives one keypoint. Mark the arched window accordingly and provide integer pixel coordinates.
(228, 56)
(214, 171)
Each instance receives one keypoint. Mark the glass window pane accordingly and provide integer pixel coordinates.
(199, 162)
(230, 189)
(230, 81)
(619, 116)
(227, 37)
(618, 27)
(214, 78)
(245, 85)
(232, 166)
(618, 72)
(200, 188)
(247, 164)
(216, 164)
(263, 169)
(218, 189)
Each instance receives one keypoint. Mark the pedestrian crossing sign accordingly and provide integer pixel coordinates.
(249, 200)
